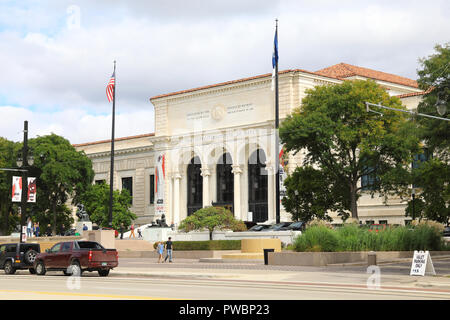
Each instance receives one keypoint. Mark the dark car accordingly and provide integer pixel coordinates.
(278, 226)
(18, 256)
(446, 232)
(295, 226)
(259, 227)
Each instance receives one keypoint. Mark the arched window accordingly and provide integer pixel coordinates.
(257, 186)
(194, 186)
(225, 180)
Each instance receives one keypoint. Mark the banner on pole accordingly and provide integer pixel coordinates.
(16, 189)
(31, 189)
(160, 173)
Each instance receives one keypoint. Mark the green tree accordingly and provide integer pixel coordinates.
(212, 218)
(96, 203)
(8, 150)
(62, 173)
(432, 177)
(308, 195)
(345, 142)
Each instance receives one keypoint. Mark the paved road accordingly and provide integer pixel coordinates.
(58, 287)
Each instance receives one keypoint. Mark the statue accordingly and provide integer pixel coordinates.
(81, 213)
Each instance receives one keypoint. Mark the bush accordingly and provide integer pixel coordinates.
(318, 238)
(205, 245)
(354, 238)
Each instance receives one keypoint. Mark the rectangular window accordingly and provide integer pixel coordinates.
(152, 189)
(382, 222)
(368, 180)
(100, 181)
(127, 184)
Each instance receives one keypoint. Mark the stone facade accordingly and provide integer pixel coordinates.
(237, 118)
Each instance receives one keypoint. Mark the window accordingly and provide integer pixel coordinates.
(2, 249)
(66, 246)
(127, 184)
(89, 245)
(101, 181)
(382, 222)
(55, 248)
(370, 222)
(152, 189)
(11, 248)
(368, 180)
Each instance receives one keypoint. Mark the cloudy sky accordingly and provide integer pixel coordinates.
(56, 58)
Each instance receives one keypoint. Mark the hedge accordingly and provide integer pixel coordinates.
(354, 238)
(205, 245)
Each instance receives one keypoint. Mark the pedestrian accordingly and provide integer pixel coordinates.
(132, 231)
(29, 225)
(121, 230)
(38, 229)
(160, 250)
(49, 230)
(139, 233)
(169, 248)
(85, 228)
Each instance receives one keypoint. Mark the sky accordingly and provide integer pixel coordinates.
(56, 56)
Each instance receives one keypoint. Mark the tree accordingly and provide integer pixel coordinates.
(432, 177)
(96, 203)
(345, 142)
(61, 172)
(212, 218)
(309, 196)
(8, 150)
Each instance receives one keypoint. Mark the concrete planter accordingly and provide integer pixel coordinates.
(318, 259)
(192, 254)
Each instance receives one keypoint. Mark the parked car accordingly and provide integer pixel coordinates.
(278, 226)
(259, 227)
(70, 232)
(83, 255)
(295, 226)
(446, 232)
(18, 256)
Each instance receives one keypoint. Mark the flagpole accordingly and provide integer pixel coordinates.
(277, 151)
(111, 174)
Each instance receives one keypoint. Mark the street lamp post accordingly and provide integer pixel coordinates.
(413, 194)
(23, 162)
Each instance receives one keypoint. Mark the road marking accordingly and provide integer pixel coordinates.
(73, 294)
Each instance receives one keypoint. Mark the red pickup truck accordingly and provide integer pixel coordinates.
(77, 255)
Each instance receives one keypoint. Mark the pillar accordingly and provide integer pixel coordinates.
(205, 174)
(176, 199)
(237, 171)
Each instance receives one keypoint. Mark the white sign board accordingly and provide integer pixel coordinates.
(249, 216)
(160, 175)
(24, 234)
(422, 264)
(17, 189)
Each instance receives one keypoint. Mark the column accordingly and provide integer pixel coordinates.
(271, 190)
(205, 174)
(237, 171)
(176, 199)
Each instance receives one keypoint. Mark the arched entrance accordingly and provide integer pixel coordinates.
(225, 182)
(257, 186)
(194, 186)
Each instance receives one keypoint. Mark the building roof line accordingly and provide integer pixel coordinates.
(116, 139)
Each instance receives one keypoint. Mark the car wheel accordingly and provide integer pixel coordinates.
(30, 256)
(9, 269)
(75, 269)
(103, 273)
(32, 271)
(40, 268)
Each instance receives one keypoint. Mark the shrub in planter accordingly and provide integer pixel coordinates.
(206, 245)
(317, 238)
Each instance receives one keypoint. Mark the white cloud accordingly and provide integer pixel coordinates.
(54, 74)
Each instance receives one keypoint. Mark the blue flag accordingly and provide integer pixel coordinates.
(274, 57)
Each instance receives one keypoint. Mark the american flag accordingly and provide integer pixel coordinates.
(110, 88)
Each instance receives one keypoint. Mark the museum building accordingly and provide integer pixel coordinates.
(215, 145)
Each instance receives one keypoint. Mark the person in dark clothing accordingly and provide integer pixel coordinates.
(121, 231)
(169, 248)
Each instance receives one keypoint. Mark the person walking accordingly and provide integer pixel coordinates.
(121, 230)
(38, 229)
(160, 249)
(29, 226)
(169, 248)
(132, 231)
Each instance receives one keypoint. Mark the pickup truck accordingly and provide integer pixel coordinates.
(77, 256)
